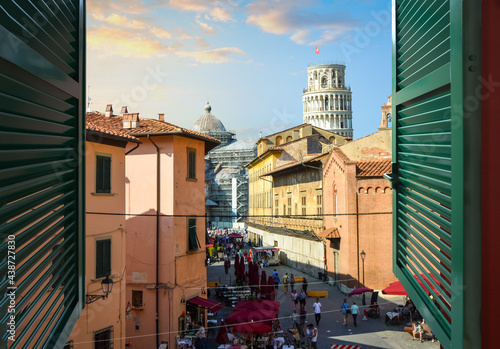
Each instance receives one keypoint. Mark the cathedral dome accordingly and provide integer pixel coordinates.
(207, 123)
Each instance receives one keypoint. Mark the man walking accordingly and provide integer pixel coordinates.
(317, 311)
(286, 280)
(276, 278)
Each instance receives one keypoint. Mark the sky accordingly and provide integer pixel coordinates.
(247, 58)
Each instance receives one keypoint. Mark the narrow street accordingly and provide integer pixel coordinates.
(373, 333)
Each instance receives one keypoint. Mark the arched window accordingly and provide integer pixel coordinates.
(279, 140)
(288, 139)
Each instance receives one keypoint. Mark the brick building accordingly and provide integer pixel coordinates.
(358, 210)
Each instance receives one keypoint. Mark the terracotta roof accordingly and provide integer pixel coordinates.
(330, 233)
(144, 127)
(372, 168)
(89, 126)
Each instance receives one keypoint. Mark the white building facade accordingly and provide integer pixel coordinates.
(327, 100)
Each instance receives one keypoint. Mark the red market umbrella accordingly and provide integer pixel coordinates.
(236, 265)
(397, 289)
(258, 304)
(222, 337)
(252, 328)
(270, 288)
(242, 316)
(360, 290)
(263, 282)
(235, 235)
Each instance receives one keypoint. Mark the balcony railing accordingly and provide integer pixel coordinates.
(326, 88)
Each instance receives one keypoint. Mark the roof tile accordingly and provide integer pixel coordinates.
(371, 168)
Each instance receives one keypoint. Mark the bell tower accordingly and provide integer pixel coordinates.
(327, 100)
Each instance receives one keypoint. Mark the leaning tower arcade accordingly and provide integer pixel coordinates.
(327, 100)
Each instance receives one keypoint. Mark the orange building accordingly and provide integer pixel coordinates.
(103, 320)
(165, 253)
(358, 210)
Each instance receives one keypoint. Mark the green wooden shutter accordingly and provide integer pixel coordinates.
(103, 174)
(103, 258)
(42, 157)
(435, 173)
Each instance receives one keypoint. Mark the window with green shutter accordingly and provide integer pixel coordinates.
(193, 242)
(103, 174)
(103, 339)
(103, 258)
(436, 163)
(191, 157)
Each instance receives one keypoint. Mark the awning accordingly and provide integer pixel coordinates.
(330, 233)
(205, 303)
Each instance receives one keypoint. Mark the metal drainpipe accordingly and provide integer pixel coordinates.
(158, 171)
(357, 232)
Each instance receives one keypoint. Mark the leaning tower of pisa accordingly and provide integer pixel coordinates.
(327, 100)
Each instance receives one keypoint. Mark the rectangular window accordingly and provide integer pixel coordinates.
(319, 202)
(276, 205)
(193, 242)
(303, 202)
(137, 299)
(103, 339)
(102, 258)
(191, 157)
(289, 204)
(103, 174)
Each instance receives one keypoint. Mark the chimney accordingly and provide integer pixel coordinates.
(124, 110)
(161, 116)
(130, 120)
(109, 110)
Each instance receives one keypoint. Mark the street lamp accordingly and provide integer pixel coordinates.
(106, 286)
(363, 256)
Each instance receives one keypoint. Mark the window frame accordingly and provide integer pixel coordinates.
(102, 189)
(194, 232)
(191, 165)
(104, 274)
(102, 345)
(135, 293)
(319, 202)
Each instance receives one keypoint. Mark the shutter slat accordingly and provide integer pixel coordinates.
(42, 142)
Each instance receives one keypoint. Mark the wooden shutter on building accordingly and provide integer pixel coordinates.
(103, 258)
(435, 174)
(193, 241)
(42, 143)
(103, 174)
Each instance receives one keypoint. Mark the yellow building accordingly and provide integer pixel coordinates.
(285, 182)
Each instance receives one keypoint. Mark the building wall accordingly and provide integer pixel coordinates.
(181, 273)
(375, 231)
(301, 254)
(304, 180)
(111, 311)
(260, 191)
(345, 195)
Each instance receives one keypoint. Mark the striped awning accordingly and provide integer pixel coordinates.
(344, 346)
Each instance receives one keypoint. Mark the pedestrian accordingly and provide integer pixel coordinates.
(313, 336)
(303, 315)
(317, 311)
(294, 296)
(292, 282)
(296, 319)
(276, 278)
(345, 311)
(227, 265)
(354, 312)
(286, 281)
(302, 297)
(304, 284)
(202, 336)
(271, 342)
(417, 329)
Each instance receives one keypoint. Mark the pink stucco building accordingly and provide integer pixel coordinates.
(165, 225)
(103, 321)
